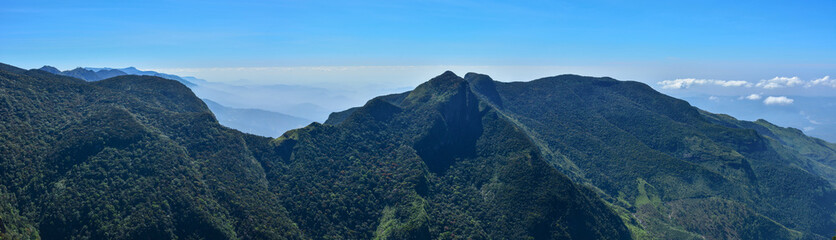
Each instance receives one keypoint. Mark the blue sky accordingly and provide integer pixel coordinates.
(695, 50)
(167, 34)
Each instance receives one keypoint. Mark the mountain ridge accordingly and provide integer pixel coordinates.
(98, 74)
(581, 97)
(564, 157)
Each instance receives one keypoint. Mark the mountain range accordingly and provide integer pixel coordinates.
(97, 74)
(564, 157)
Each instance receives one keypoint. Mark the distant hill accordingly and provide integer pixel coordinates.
(84, 74)
(255, 121)
(134, 71)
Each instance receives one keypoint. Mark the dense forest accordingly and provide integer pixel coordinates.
(677, 171)
(565, 157)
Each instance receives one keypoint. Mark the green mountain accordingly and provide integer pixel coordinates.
(811, 154)
(565, 157)
(130, 157)
(440, 164)
(672, 171)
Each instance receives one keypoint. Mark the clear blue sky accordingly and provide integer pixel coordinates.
(172, 34)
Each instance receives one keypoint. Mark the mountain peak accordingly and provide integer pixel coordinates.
(472, 76)
(448, 73)
(50, 69)
(448, 77)
(437, 89)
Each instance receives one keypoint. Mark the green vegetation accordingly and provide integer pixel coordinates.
(811, 154)
(142, 157)
(566, 157)
(430, 164)
(122, 158)
(614, 134)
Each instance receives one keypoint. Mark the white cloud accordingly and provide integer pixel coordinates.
(809, 118)
(754, 96)
(688, 82)
(826, 81)
(780, 82)
(737, 83)
(807, 129)
(782, 100)
(713, 98)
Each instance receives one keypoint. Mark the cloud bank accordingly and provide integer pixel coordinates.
(688, 82)
(773, 83)
(780, 82)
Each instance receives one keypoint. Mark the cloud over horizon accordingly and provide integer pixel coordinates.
(754, 96)
(780, 82)
(782, 100)
(688, 82)
(773, 83)
(826, 81)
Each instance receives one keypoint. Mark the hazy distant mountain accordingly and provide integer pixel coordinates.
(301, 101)
(134, 71)
(255, 121)
(84, 74)
(105, 74)
(97, 74)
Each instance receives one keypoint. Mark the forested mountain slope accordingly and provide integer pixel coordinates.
(440, 164)
(565, 157)
(678, 172)
(125, 158)
(812, 154)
